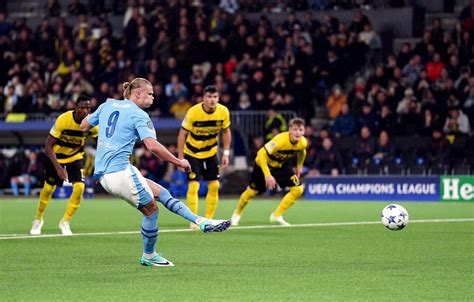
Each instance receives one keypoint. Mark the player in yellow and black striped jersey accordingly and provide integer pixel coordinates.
(272, 167)
(198, 143)
(65, 150)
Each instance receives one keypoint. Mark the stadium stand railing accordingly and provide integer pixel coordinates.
(251, 123)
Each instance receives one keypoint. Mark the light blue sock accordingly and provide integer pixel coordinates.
(150, 232)
(27, 188)
(15, 190)
(176, 206)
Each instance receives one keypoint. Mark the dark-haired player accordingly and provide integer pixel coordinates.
(198, 141)
(65, 150)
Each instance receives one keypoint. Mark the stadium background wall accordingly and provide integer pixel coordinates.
(392, 188)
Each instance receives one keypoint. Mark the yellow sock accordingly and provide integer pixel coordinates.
(74, 200)
(212, 198)
(288, 200)
(245, 198)
(45, 197)
(192, 196)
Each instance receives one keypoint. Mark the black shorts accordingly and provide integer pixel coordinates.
(206, 168)
(75, 172)
(284, 176)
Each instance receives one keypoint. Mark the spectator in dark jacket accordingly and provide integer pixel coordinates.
(367, 118)
(384, 148)
(438, 149)
(364, 147)
(345, 123)
(387, 120)
(328, 160)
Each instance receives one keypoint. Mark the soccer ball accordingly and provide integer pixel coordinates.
(394, 217)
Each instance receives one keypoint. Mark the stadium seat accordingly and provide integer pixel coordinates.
(438, 170)
(352, 170)
(417, 169)
(394, 168)
(461, 168)
(374, 168)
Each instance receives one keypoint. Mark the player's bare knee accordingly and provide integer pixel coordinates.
(155, 188)
(149, 209)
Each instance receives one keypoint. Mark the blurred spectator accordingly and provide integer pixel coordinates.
(435, 67)
(153, 167)
(311, 149)
(405, 55)
(412, 69)
(384, 148)
(78, 82)
(274, 124)
(256, 143)
(244, 103)
(456, 123)
(5, 26)
(403, 105)
(387, 121)
(175, 89)
(428, 123)
(257, 64)
(26, 171)
(364, 147)
(345, 123)
(229, 6)
(467, 18)
(467, 94)
(367, 118)
(370, 37)
(11, 99)
(76, 7)
(180, 107)
(438, 149)
(410, 121)
(328, 161)
(319, 4)
(335, 102)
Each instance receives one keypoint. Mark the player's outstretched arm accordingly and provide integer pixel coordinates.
(85, 126)
(159, 150)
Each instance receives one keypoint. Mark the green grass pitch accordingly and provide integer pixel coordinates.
(428, 260)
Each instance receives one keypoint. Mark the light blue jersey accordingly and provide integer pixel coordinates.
(121, 123)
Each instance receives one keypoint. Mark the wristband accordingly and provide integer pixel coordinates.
(226, 152)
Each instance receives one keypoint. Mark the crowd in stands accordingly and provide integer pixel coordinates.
(425, 89)
(180, 48)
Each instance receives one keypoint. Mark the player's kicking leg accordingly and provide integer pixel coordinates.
(174, 205)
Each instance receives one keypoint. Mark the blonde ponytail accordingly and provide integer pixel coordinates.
(136, 83)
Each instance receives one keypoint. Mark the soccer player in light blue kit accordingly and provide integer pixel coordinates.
(121, 122)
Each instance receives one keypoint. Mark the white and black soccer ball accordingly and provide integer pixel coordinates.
(394, 217)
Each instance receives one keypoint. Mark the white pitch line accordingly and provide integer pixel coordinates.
(250, 227)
